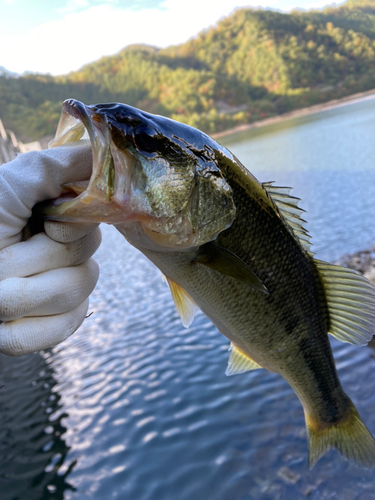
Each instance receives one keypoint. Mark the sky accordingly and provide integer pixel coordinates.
(59, 36)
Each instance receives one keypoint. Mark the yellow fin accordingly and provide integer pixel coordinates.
(349, 436)
(351, 303)
(239, 362)
(185, 305)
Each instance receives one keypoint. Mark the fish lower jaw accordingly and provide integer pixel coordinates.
(85, 208)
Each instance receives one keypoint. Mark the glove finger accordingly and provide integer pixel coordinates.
(27, 335)
(40, 254)
(65, 232)
(54, 292)
(37, 176)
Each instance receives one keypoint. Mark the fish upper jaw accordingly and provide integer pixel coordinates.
(93, 200)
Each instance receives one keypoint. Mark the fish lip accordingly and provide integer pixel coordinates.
(79, 121)
(64, 133)
(84, 114)
(76, 109)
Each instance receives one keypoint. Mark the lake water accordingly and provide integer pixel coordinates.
(134, 406)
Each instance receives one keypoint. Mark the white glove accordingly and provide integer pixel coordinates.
(44, 281)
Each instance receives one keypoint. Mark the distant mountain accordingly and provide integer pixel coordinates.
(6, 72)
(253, 64)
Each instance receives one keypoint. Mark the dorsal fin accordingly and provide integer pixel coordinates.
(239, 362)
(185, 305)
(287, 206)
(351, 303)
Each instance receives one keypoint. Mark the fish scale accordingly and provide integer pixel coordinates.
(290, 339)
(235, 248)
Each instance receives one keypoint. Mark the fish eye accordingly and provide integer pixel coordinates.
(146, 138)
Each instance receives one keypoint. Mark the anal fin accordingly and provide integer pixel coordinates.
(185, 305)
(239, 362)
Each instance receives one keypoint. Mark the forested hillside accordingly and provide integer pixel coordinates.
(252, 65)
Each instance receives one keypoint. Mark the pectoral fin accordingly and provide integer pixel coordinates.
(225, 262)
(185, 305)
(239, 362)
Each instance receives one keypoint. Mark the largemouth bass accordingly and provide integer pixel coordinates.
(235, 248)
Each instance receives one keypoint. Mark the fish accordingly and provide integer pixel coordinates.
(231, 246)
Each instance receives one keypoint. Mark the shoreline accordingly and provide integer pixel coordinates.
(310, 110)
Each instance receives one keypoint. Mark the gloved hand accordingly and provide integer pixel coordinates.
(44, 281)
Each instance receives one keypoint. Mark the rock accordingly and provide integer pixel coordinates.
(362, 261)
(370, 273)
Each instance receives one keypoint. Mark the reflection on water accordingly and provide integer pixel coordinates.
(31, 444)
(142, 405)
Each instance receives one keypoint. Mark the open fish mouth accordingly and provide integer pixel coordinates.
(92, 200)
(146, 169)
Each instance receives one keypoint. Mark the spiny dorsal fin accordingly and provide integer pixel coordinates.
(185, 305)
(239, 362)
(351, 303)
(287, 207)
(225, 262)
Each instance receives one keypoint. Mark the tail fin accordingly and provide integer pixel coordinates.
(349, 436)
